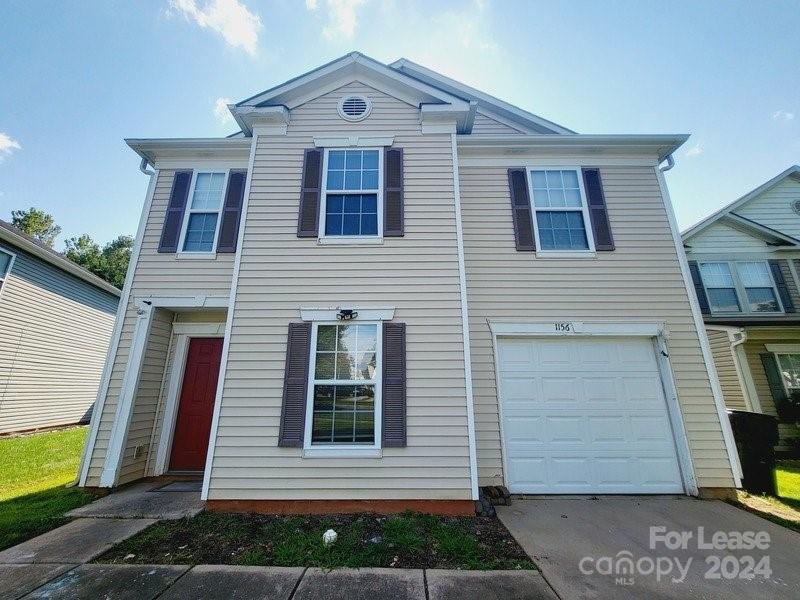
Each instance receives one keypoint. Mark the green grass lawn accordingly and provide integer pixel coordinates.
(787, 473)
(784, 508)
(408, 540)
(33, 472)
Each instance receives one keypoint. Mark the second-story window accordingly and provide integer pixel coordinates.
(6, 258)
(744, 286)
(560, 211)
(352, 193)
(201, 220)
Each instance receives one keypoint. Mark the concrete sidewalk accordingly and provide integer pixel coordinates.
(211, 582)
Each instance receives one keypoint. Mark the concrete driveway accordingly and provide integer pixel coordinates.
(604, 548)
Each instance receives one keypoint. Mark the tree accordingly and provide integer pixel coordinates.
(37, 224)
(110, 263)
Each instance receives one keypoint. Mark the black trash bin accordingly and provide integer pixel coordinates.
(756, 435)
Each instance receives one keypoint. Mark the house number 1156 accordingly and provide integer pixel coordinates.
(563, 327)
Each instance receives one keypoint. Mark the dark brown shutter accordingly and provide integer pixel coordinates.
(780, 283)
(311, 186)
(521, 210)
(173, 220)
(699, 290)
(393, 221)
(598, 214)
(295, 386)
(231, 212)
(394, 385)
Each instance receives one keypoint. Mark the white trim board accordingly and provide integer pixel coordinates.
(705, 347)
(571, 327)
(365, 313)
(122, 308)
(465, 334)
(231, 303)
(183, 336)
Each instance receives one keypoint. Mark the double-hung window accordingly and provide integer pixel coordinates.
(202, 216)
(6, 258)
(560, 212)
(344, 396)
(742, 286)
(789, 365)
(352, 193)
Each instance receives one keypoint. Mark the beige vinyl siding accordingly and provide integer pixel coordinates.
(156, 275)
(417, 274)
(54, 335)
(757, 339)
(773, 208)
(724, 361)
(723, 239)
(148, 394)
(486, 125)
(639, 281)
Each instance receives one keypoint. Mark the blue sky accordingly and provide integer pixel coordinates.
(78, 77)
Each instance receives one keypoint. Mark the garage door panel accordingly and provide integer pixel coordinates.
(585, 415)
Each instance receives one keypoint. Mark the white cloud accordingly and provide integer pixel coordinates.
(783, 115)
(7, 145)
(221, 111)
(695, 150)
(342, 19)
(230, 18)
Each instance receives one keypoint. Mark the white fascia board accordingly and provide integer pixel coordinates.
(660, 145)
(354, 63)
(793, 171)
(762, 231)
(153, 150)
(58, 261)
(483, 99)
(249, 117)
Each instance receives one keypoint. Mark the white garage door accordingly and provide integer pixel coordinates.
(585, 415)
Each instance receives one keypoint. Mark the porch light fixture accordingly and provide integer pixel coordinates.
(346, 315)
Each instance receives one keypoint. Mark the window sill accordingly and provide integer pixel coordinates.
(342, 453)
(560, 254)
(350, 241)
(196, 255)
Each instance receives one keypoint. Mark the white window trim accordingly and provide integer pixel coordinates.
(776, 355)
(587, 224)
(323, 209)
(342, 450)
(4, 276)
(183, 334)
(740, 290)
(187, 212)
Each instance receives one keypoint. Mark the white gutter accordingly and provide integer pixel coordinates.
(462, 281)
(670, 163)
(705, 347)
(105, 378)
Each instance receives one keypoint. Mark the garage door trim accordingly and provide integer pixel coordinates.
(580, 329)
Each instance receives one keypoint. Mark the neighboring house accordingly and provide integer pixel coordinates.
(354, 303)
(745, 260)
(56, 321)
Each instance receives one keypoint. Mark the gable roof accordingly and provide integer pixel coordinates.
(15, 237)
(725, 211)
(529, 121)
(410, 81)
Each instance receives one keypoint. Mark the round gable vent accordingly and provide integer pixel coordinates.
(354, 108)
(796, 206)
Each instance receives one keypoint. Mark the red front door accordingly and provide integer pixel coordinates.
(196, 405)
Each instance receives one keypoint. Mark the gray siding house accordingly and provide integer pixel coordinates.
(390, 289)
(55, 325)
(745, 260)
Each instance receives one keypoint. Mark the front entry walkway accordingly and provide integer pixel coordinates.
(604, 547)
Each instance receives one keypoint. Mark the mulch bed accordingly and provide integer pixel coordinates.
(409, 540)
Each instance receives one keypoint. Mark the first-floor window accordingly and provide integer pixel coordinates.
(202, 214)
(789, 365)
(559, 206)
(345, 365)
(5, 266)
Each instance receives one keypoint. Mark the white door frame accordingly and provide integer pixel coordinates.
(570, 328)
(145, 308)
(183, 333)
